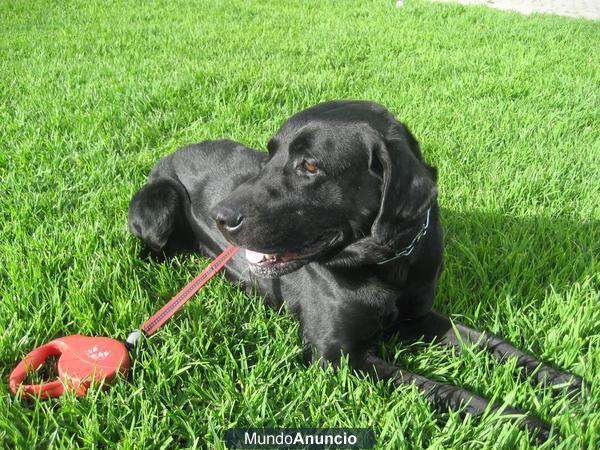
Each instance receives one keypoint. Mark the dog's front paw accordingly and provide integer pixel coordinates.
(571, 385)
(540, 430)
(563, 383)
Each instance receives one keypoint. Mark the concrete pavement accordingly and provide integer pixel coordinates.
(589, 9)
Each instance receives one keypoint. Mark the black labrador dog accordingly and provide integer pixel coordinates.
(340, 219)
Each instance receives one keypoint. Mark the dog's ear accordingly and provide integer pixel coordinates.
(408, 185)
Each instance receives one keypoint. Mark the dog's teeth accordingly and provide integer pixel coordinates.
(254, 257)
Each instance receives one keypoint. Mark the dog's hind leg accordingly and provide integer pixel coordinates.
(157, 217)
(436, 327)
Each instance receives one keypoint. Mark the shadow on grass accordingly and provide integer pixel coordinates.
(525, 276)
(488, 254)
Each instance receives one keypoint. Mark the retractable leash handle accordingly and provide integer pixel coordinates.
(30, 363)
(83, 359)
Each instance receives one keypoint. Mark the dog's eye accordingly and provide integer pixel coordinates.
(309, 167)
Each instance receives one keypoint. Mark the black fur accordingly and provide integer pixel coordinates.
(365, 202)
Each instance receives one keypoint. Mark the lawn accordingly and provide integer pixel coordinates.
(93, 93)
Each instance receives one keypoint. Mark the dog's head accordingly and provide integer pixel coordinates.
(338, 173)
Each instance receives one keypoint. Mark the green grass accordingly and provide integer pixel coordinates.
(93, 93)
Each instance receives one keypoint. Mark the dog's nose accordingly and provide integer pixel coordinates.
(227, 218)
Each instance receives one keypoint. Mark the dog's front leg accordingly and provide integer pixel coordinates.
(441, 396)
(445, 397)
(435, 327)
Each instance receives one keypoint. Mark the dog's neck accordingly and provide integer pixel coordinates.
(368, 251)
(406, 251)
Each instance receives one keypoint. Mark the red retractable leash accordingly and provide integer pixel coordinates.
(83, 359)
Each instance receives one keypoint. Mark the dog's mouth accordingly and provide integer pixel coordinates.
(271, 265)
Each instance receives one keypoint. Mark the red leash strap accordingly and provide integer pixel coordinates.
(162, 315)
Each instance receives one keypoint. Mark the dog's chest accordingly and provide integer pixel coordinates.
(316, 294)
